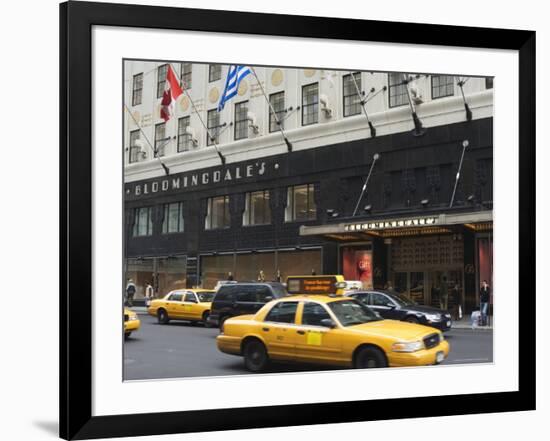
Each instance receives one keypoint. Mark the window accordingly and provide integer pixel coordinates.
(134, 147)
(214, 72)
(241, 120)
(186, 75)
(137, 88)
(282, 312)
(300, 203)
(379, 300)
(217, 215)
(257, 210)
(190, 297)
(161, 79)
(313, 314)
(489, 82)
(173, 218)
(277, 101)
(176, 297)
(213, 124)
(310, 104)
(397, 89)
(184, 139)
(160, 139)
(143, 223)
(352, 102)
(442, 85)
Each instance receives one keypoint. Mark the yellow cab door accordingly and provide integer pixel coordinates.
(315, 341)
(279, 330)
(189, 306)
(171, 304)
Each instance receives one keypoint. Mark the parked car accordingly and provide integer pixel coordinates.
(242, 298)
(392, 305)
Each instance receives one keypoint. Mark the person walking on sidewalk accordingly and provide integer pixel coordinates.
(130, 292)
(484, 296)
(149, 293)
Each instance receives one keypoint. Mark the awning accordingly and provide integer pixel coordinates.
(401, 226)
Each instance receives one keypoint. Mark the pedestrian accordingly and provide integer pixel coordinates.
(130, 292)
(261, 276)
(278, 276)
(455, 302)
(444, 297)
(484, 296)
(149, 293)
(313, 272)
(229, 275)
(475, 318)
(389, 286)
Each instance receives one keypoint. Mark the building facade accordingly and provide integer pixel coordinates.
(192, 220)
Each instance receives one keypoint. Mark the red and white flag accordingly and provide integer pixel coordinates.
(172, 90)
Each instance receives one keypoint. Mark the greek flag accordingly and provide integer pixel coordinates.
(235, 74)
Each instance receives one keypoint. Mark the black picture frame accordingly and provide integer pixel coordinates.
(76, 21)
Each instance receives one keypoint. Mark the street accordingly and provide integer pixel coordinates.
(182, 349)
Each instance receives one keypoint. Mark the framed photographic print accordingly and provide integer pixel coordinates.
(277, 220)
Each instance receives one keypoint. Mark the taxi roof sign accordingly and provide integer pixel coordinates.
(316, 285)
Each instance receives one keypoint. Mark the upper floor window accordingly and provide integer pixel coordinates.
(173, 218)
(214, 72)
(489, 82)
(352, 101)
(310, 104)
(301, 203)
(161, 79)
(160, 139)
(277, 101)
(443, 85)
(397, 88)
(134, 147)
(217, 213)
(184, 138)
(241, 120)
(143, 223)
(137, 89)
(213, 125)
(186, 75)
(257, 210)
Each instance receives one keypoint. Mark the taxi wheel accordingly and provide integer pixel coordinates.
(370, 357)
(162, 317)
(205, 316)
(411, 319)
(255, 356)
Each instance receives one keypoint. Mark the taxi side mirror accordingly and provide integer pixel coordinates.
(328, 323)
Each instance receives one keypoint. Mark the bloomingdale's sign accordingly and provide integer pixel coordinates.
(184, 181)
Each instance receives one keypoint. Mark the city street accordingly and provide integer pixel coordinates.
(182, 349)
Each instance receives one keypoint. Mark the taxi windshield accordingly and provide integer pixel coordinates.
(351, 312)
(206, 296)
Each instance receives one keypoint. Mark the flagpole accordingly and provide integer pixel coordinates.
(277, 120)
(166, 169)
(375, 158)
(212, 139)
(363, 106)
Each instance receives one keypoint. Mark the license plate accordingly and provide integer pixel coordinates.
(439, 357)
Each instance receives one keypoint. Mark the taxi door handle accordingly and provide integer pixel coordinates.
(301, 332)
(265, 329)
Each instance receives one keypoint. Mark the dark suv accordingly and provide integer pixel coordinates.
(242, 298)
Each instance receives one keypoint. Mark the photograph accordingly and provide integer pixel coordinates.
(282, 219)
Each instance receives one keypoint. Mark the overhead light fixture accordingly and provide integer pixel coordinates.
(425, 202)
(471, 199)
(335, 214)
(329, 211)
(367, 208)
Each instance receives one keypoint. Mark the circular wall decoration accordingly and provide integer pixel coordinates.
(184, 103)
(277, 77)
(309, 72)
(243, 88)
(213, 95)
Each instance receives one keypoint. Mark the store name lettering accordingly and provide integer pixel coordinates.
(201, 179)
(399, 223)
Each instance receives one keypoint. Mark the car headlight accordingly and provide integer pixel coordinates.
(409, 346)
(133, 317)
(433, 317)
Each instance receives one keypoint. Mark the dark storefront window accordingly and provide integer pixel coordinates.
(173, 218)
(137, 89)
(213, 124)
(184, 138)
(489, 82)
(217, 213)
(160, 139)
(171, 274)
(134, 147)
(397, 90)
(310, 104)
(241, 120)
(187, 75)
(442, 85)
(214, 72)
(277, 101)
(161, 79)
(141, 272)
(257, 209)
(143, 224)
(301, 203)
(352, 103)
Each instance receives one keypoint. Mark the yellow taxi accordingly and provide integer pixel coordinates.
(324, 327)
(183, 304)
(131, 322)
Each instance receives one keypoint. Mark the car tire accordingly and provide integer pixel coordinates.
(370, 357)
(255, 356)
(411, 319)
(162, 317)
(205, 316)
(127, 334)
(222, 321)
